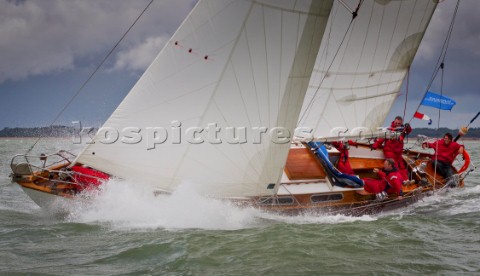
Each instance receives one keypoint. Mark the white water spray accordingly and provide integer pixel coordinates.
(124, 204)
(128, 205)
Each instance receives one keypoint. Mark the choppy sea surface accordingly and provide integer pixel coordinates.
(128, 231)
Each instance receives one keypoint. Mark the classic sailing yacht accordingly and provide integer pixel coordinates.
(219, 106)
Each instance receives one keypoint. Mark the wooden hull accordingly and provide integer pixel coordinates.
(350, 201)
(304, 188)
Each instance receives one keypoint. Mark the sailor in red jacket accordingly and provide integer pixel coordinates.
(445, 152)
(390, 180)
(393, 147)
(343, 164)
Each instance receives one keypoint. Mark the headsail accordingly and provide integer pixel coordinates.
(231, 63)
(358, 87)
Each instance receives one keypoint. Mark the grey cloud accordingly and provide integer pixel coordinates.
(461, 63)
(42, 37)
(466, 32)
(141, 55)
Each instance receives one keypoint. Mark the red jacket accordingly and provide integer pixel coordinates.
(445, 153)
(393, 181)
(395, 145)
(340, 146)
(405, 129)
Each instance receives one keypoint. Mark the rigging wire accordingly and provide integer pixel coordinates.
(406, 93)
(92, 74)
(441, 58)
(310, 104)
(440, 65)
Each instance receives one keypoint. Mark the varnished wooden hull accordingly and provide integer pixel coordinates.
(356, 201)
(304, 188)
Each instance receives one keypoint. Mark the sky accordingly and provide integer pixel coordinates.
(49, 48)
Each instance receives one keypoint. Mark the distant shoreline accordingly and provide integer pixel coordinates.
(470, 138)
(69, 132)
(35, 132)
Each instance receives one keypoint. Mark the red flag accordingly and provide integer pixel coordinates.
(421, 116)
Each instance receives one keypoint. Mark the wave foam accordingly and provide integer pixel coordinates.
(127, 205)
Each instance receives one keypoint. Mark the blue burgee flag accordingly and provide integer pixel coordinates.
(437, 101)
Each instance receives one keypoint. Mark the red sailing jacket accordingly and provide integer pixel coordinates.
(393, 146)
(445, 153)
(393, 181)
(340, 146)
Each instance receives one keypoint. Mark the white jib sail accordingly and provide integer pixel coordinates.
(355, 89)
(238, 64)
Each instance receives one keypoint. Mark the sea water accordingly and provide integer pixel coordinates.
(124, 229)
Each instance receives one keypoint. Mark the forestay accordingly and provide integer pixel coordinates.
(355, 83)
(232, 63)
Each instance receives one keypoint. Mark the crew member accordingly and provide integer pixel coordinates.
(390, 180)
(343, 164)
(393, 147)
(445, 152)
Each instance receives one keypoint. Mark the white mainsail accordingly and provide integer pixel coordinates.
(232, 64)
(356, 86)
